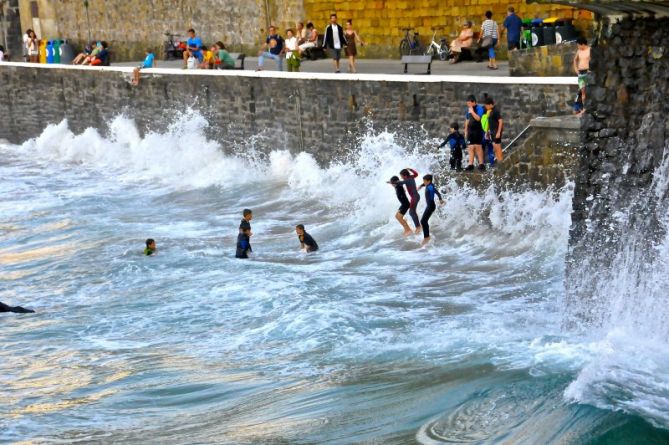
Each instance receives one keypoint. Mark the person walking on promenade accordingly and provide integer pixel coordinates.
(474, 133)
(193, 48)
(489, 37)
(582, 67)
(335, 40)
(352, 38)
(272, 49)
(512, 25)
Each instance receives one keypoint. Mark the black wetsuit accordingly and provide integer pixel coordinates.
(15, 309)
(410, 184)
(457, 143)
(243, 246)
(308, 242)
(402, 198)
(430, 191)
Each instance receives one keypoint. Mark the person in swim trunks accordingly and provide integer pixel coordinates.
(404, 204)
(430, 191)
(409, 176)
(307, 242)
(15, 309)
(243, 243)
(582, 66)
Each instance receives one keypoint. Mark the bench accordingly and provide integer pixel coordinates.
(316, 52)
(239, 60)
(417, 60)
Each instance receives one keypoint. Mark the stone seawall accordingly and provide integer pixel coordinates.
(616, 204)
(324, 114)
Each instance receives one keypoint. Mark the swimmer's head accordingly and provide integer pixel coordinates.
(299, 229)
(404, 173)
(151, 243)
(427, 179)
(394, 180)
(248, 214)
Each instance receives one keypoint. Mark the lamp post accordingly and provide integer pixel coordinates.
(88, 21)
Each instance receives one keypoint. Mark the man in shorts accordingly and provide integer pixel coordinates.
(334, 40)
(474, 133)
(582, 66)
(495, 126)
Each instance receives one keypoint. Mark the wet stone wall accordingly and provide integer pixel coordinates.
(324, 117)
(627, 131)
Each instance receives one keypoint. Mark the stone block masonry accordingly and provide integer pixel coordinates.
(324, 114)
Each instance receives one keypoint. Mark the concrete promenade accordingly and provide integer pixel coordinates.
(365, 66)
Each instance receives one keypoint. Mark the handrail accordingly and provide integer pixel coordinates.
(517, 137)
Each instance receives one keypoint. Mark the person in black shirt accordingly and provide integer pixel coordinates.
(15, 309)
(307, 243)
(496, 127)
(243, 243)
(404, 204)
(430, 191)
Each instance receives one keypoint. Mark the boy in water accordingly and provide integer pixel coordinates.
(582, 66)
(430, 191)
(150, 247)
(409, 176)
(404, 204)
(457, 143)
(307, 243)
(243, 243)
(246, 221)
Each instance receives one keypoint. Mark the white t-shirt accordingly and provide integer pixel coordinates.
(291, 45)
(2, 57)
(335, 36)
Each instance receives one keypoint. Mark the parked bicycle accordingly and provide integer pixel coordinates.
(174, 50)
(410, 45)
(438, 49)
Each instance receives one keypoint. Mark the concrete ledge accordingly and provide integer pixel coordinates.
(402, 78)
(572, 122)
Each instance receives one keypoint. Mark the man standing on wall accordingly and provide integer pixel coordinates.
(512, 25)
(334, 40)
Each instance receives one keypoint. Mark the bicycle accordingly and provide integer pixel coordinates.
(410, 45)
(438, 49)
(172, 48)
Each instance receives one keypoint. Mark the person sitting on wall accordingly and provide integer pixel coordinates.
(224, 60)
(2, 53)
(311, 39)
(102, 58)
(149, 62)
(464, 40)
(88, 49)
(272, 49)
(193, 46)
(96, 50)
(208, 58)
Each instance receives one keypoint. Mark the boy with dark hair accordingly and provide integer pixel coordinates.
(243, 243)
(430, 191)
(246, 220)
(307, 242)
(150, 247)
(582, 67)
(457, 143)
(474, 133)
(404, 204)
(149, 62)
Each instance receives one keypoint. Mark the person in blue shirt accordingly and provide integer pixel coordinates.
(430, 191)
(193, 46)
(457, 144)
(474, 133)
(272, 49)
(149, 62)
(512, 25)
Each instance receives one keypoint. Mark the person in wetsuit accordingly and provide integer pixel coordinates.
(243, 243)
(404, 204)
(430, 191)
(15, 309)
(150, 247)
(307, 242)
(409, 176)
(245, 224)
